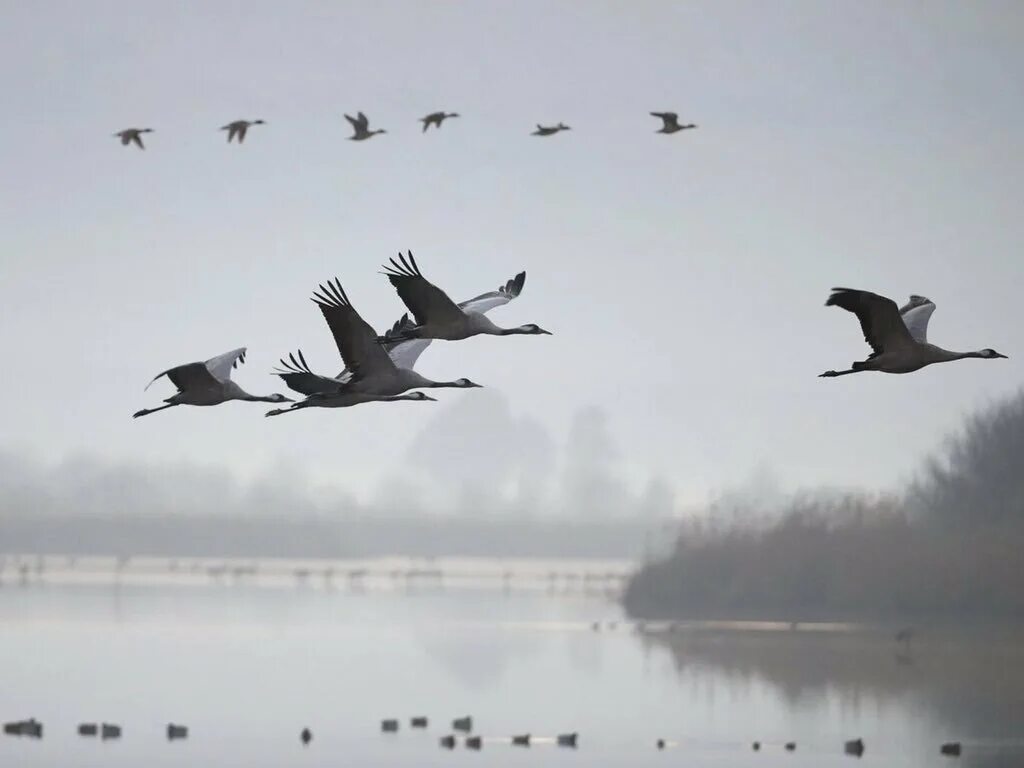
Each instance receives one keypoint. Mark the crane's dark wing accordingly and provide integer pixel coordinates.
(426, 301)
(356, 339)
(879, 318)
(297, 375)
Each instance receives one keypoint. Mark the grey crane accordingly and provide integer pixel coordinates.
(372, 375)
(898, 337)
(436, 315)
(208, 383)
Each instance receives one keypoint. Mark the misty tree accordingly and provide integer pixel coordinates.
(592, 483)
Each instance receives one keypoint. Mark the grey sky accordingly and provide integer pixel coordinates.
(871, 144)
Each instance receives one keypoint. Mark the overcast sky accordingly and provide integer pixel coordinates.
(875, 145)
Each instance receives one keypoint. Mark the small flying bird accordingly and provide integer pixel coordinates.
(208, 383)
(436, 118)
(670, 122)
(133, 135)
(361, 127)
(436, 315)
(238, 128)
(550, 130)
(898, 337)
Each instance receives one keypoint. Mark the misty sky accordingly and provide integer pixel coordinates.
(875, 145)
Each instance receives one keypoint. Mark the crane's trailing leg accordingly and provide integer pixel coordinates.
(147, 411)
(279, 411)
(832, 374)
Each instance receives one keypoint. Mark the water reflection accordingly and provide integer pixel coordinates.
(969, 684)
(247, 667)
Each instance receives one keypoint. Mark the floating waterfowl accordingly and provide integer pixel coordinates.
(854, 748)
(951, 749)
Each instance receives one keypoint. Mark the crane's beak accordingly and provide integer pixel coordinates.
(1005, 357)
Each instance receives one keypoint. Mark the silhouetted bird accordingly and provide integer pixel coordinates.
(464, 724)
(110, 731)
(568, 740)
(306, 736)
(898, 339)
(436, 118)
(474, 742)
(448, 742)
(133, 135)
(670, 122)
(88, 729)
(175, 732)
(238, 128)
(389, 726)
(418, 722)
(791, 746)
(361, 127)
(550, 130)
(522, 740)
(208, 383)
(436, 315)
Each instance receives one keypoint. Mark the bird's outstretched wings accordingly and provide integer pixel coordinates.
(916, 313)
(213, 372)
(356, 339)
(879, 317)
(488, 301)
(298, 376)
(359, 122)
(220, 367)
(426, 301)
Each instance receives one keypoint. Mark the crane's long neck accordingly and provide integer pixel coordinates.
(945, 355)
(256, 398)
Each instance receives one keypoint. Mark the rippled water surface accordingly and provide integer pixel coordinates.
(247, 665)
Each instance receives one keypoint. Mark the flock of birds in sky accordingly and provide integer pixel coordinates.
(377, 368)
(380, 368)
(361, 131)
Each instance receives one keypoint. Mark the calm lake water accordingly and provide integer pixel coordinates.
(246, 666)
